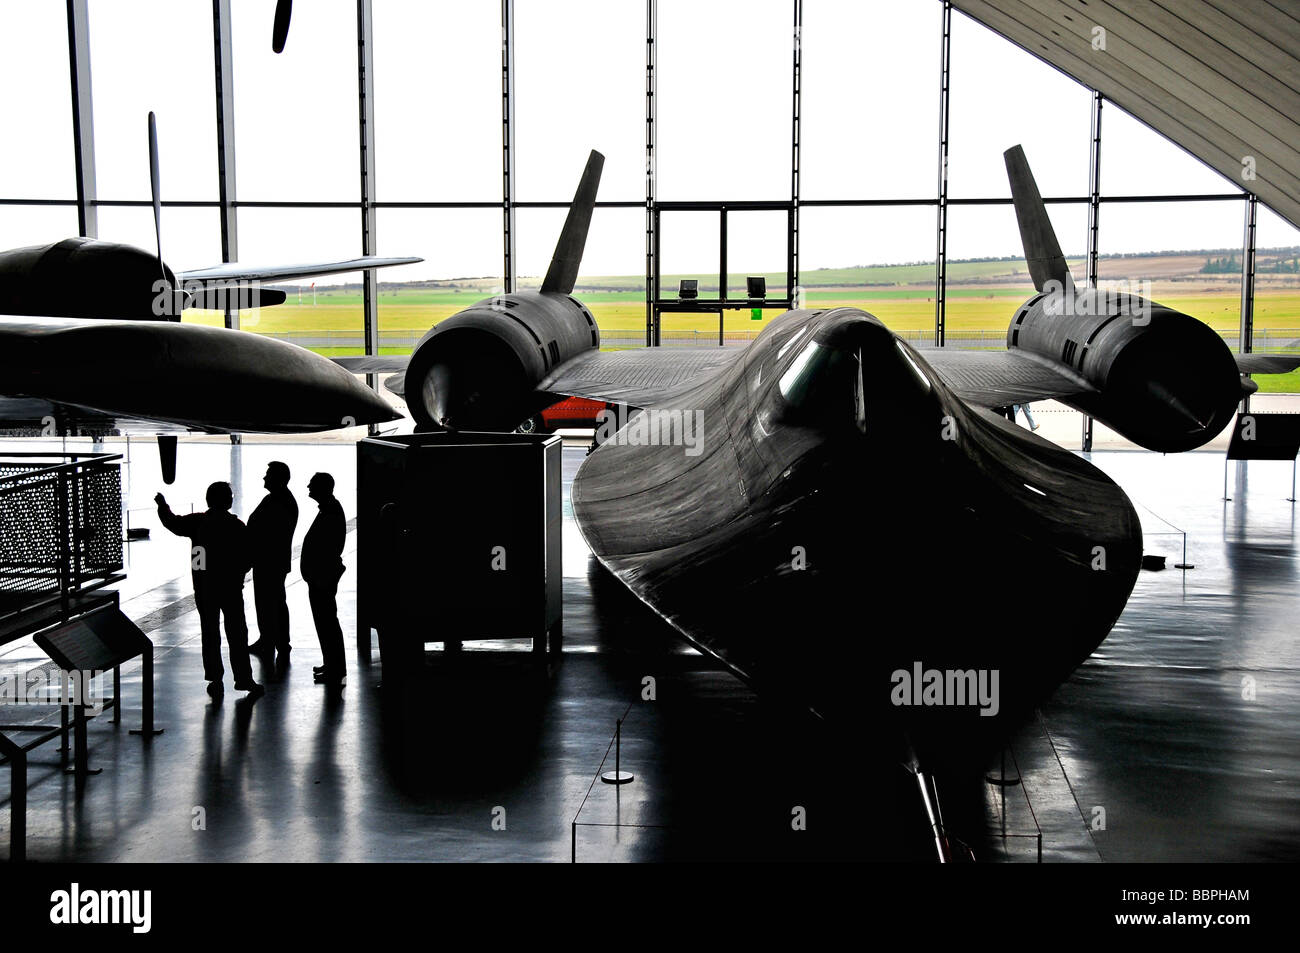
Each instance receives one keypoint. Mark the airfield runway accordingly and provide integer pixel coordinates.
(1155, 730)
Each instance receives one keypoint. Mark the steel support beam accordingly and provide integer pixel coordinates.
(792, 236)
(1246, 342)
(223, 60)
(941, 217)
(366, 110)
(722, 253)
(508, 143)
(1094, 187)
(657, 238)
(651, 215)
(1094, 214)
(83, 122)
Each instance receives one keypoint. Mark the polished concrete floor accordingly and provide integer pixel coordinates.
(497, 764)
(1179, 739)
(1149, 752)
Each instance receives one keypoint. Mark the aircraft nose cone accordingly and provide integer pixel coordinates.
(370, 407)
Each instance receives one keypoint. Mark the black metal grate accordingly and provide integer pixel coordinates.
(60, 523)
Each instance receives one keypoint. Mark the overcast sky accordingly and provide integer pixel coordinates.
(870, 120)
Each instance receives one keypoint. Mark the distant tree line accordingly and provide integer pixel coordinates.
(1231, 265)
(1226, 265)
(1280, 266)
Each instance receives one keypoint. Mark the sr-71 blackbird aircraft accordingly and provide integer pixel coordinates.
(91, 341)
(851, 520)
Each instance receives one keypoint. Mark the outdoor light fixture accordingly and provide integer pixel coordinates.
(757, 288)
(688, 288)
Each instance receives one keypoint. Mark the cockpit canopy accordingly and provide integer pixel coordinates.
(824, 383)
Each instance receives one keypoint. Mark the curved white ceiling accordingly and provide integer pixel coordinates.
(1219, 78)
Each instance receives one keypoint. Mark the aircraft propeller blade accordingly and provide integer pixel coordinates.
(155, 187)
(280, 31)
(1042, 250)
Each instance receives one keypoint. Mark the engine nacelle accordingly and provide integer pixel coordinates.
(479, 369)
(85, 278)
(1163, 379)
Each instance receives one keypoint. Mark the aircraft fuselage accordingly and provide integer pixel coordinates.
(844, 517)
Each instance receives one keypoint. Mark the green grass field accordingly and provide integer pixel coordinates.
(982, 296)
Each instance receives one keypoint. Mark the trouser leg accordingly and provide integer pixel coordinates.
(263, 607)
(272, 608)
(324, 611)
(241, 667)
(209, 609)
(283, 645)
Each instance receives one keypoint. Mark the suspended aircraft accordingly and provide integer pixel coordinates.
(841, 518)
(91, 342)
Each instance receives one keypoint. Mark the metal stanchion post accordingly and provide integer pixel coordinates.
(617, 776)
(146, 728)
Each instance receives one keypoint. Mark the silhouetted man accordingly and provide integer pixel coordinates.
(219, 561)
(270, 531)
(322, 566)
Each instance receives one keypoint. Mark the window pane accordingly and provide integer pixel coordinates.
(462, 252)
(155, 56)
(1190, 252)
(437, 101)
(878, 259)
(579, 85)
(724, 88)
(688, 248)
(1001, 96)
(191, 237)
(870, 123)
(1137, 160)
(611, 281)
(330, 321)
(36, 224)
(296, 125)
(987, 274)
(1277, 295)
(757, 245)
(36, 108)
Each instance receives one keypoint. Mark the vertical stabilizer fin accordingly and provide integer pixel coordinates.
(1042, 250)
(563, 273)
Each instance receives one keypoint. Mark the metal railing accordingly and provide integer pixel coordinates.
(60, 527)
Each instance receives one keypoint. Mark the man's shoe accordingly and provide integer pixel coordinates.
(329, 678)
(261, 647)
(317, 669)
(254, 690)
(216, 689)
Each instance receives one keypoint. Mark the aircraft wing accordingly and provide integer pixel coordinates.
(1000, 378)
(235, 272)
(637, 376)
(374, 364)
(1267, 363)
